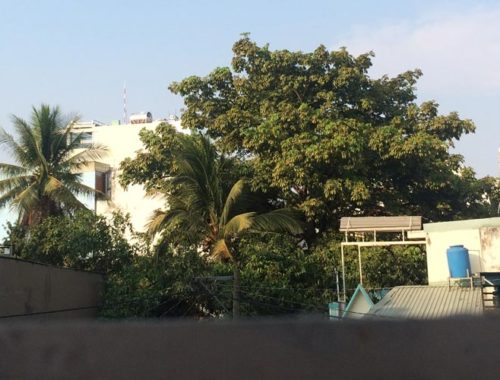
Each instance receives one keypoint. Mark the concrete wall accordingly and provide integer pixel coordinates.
(490, 249)
(451, 349)
(483, 244)
(437, 244)
(46, 291)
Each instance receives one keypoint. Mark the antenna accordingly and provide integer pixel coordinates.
(125, 114)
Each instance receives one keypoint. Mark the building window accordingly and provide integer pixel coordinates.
(103, 182)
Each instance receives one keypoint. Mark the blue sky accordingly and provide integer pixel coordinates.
(77, 54)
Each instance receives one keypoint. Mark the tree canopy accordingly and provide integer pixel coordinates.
(330, 139)
(205, 211)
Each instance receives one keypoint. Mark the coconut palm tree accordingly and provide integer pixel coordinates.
(44, 179)
(202, 211)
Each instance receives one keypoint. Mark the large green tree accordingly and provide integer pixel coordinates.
(329, 138)
(205, 211)
(44, 180)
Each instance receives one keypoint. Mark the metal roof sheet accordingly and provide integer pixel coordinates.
(428, 302)
(381, 223)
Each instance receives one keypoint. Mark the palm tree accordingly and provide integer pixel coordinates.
(203, 211)
(45, 180)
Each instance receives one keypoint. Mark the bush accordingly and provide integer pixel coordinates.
(83, 241)
(159, 285)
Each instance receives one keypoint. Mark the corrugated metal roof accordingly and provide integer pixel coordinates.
(380, 223)
(428, 302)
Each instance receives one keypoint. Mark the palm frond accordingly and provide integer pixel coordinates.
(239, 200)
(157, 222)
(81, 159)
(238, 223)
(10, 195)
(19, 152)
(15, 182)
(81, 189)
(196, 172)
(62, 195)
(61, 145)
(283, 220)
(28, 141)
(221, 250)
(12, 170)
(52, 185)
(28, 198)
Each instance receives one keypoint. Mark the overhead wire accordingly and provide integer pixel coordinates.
(247, 290)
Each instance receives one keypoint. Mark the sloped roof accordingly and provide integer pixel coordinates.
(359, 304)
(428, 302)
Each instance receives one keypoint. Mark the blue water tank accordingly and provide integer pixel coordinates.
(458, 261)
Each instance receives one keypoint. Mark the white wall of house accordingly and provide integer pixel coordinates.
(358, 308)
(123, 141)
(480, 236)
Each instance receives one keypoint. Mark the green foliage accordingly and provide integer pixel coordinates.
(159, 286)
(279, 277)
(153, 165)
(84, 241)
(330, 139)
(44, 181)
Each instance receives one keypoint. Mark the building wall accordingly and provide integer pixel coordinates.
(358, 308)
(439, 242)
(254, 349)
(490, 249)
(480, 236)
(123, 141)
(47, 291)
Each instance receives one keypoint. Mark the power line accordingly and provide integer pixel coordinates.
(49, 312)
(247, 293)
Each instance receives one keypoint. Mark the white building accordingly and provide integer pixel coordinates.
(121, 141)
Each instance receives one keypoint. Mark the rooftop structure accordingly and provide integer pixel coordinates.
(364, 230)
(380, 224)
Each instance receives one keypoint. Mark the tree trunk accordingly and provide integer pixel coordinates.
(236, 290)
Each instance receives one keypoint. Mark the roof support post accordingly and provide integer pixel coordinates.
(360, 268)
(343, 270)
